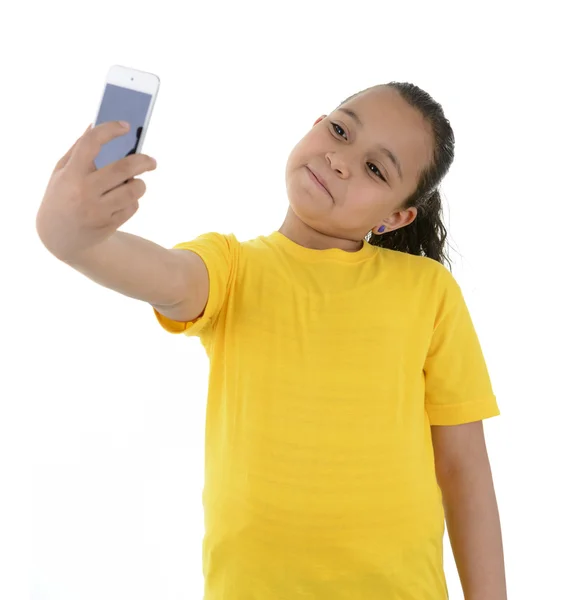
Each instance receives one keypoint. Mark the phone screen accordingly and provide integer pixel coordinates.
(122, 104)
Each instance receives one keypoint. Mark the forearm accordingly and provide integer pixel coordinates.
(474, 529)
(135, 267)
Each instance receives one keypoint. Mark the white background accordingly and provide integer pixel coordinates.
(102, 412)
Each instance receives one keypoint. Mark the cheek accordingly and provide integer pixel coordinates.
(314, 144)
(365, 199)
(367, 206)
(303, 147)
(296, 159)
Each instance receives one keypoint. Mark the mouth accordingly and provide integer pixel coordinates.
(317, 179)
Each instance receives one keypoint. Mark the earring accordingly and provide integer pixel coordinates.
(382, 228)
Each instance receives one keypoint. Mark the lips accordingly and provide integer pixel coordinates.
(319, 179)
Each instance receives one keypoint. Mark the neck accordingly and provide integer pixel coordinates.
(304, 235)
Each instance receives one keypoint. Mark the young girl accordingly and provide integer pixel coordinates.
(347, 385)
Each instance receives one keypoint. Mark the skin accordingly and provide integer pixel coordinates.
(470, 505)
(344, 154)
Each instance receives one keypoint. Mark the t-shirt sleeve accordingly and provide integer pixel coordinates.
(458, 386)
(219, 252)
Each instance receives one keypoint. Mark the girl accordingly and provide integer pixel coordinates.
(347, 384)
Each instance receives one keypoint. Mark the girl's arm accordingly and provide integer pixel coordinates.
(470, 505)
(175, 282)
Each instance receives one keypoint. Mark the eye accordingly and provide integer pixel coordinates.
(376, 171)
(339, 130)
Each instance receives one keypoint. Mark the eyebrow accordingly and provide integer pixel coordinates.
(382, 149)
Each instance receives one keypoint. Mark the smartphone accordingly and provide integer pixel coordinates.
(128, 95)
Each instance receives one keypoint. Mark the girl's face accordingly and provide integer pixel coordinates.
(369, 155)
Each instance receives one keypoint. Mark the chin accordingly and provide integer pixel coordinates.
(309, 216)
(306, 207)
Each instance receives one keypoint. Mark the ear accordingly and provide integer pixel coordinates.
(399, 219)
(320, 119)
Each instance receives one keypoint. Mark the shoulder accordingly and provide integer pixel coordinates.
(424, 281)
(212, 239)
(421, 269)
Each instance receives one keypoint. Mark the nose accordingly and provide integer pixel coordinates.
(338, 164)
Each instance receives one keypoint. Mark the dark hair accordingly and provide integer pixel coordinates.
(426, 235)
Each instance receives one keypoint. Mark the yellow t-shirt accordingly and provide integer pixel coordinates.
(327, 369)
